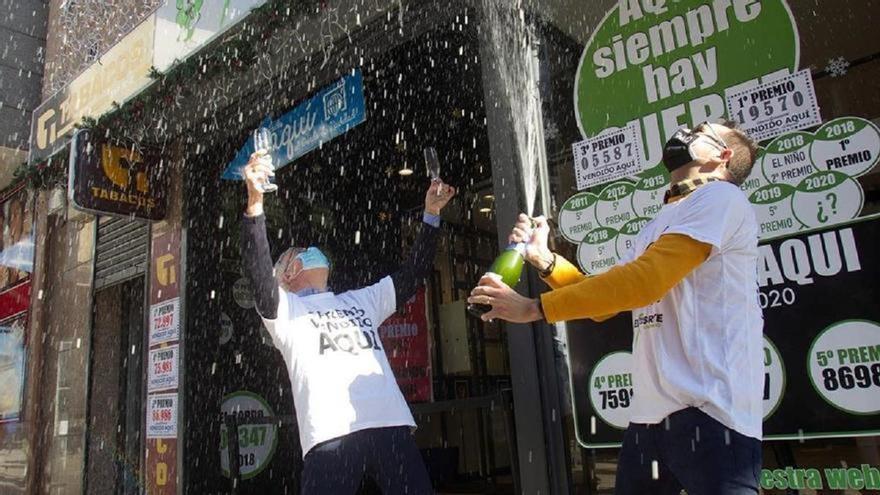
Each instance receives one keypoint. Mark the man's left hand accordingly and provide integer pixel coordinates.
(506, 303)
(437, 196)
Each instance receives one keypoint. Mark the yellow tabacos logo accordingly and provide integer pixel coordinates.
(125, 169)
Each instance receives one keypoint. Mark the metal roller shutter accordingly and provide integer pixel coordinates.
(121, 250)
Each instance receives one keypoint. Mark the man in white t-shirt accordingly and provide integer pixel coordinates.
(353, 420)
(691, 284)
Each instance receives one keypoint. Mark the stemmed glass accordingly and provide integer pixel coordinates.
(263, 142)
(433, 165)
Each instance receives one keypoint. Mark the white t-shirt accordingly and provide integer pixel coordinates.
(701, 344)
(338, 369)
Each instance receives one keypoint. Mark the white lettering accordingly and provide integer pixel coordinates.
(795, 261)
(629, 11)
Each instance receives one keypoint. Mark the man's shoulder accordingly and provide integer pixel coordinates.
(719, 194)
(720, 189)
(385, 283)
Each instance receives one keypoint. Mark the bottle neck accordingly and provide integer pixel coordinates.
(519, 247)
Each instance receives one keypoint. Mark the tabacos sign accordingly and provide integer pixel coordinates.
(659, 64)
(111, 178)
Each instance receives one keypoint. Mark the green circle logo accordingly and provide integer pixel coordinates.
(665, 63)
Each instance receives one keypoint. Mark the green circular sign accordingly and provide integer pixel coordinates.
(256, 442)
(666, 63)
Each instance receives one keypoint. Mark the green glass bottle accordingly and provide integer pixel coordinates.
(508, 265)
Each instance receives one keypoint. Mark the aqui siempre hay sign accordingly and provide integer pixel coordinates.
(333, 111)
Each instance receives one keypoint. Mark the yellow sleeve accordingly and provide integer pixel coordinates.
(564, 273)
(633, 285)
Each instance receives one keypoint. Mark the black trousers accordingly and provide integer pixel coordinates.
(688, 450)
(388, 455)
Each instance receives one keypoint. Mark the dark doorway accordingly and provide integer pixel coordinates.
(115, 390)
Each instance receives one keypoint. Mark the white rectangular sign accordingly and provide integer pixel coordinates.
(184, 27)
(165, 321)
(164, 369)
(607, 157)
(776, 107)
(162, 416)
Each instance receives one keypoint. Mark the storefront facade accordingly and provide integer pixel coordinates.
(150, 349)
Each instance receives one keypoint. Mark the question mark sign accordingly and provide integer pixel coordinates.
(833, 198)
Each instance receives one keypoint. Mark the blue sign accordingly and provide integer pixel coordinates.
(331, 112)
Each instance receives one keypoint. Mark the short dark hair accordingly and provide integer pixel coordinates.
(745, 151)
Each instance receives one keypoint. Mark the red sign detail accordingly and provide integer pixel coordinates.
(407, 345)
(161, 466)
(15, 300)
(164, 265)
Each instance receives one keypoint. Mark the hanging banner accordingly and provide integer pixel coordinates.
(819, 296)
(116, 179)
(333, 111)
(407, 345)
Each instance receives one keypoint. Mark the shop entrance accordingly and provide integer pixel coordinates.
(360, 197)
(115, 404)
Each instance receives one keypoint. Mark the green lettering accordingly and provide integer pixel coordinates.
(814, 479)
(767, 479)
(781, 479)
(853, 355)
(855, 479)
(836, 478)
(872, 476)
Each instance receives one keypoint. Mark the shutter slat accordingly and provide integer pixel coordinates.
(121, 250)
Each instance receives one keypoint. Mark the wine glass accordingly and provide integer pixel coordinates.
(433, 164)
(263, 142)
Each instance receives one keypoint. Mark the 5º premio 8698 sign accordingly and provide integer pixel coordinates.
(844, 366)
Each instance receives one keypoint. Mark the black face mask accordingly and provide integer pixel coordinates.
(677, 151)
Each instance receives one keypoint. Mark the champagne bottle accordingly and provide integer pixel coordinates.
(508, 267)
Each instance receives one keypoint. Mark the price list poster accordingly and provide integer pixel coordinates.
(163, 362)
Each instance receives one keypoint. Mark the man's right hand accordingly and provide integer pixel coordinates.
(534, 232)
(256, 172)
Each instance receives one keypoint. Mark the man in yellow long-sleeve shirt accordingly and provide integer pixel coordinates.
(691, 284)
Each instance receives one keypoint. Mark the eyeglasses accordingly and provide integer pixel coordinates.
(711, 134)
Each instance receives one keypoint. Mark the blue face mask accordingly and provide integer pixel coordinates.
(313, 258)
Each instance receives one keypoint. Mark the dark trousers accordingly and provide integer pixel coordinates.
(388, 455)
(693, 452)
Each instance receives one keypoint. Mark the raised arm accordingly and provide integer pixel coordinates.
(417, 266)
(255, 255)
(257, 264)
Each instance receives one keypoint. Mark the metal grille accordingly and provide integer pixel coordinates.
(121, 250)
